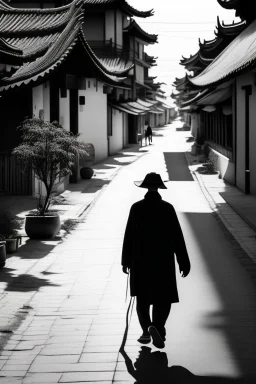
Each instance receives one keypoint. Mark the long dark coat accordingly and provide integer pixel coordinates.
(152, 236)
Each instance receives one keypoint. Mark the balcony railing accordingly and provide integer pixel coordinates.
(110, 49)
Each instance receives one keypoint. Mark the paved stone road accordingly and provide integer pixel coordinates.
(71, 328)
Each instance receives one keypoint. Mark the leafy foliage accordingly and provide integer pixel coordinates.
(51, 150)
(9, 224)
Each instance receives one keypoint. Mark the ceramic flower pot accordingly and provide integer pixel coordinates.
(42, 227)
(86, 172)
(2, 254)
(11, 245)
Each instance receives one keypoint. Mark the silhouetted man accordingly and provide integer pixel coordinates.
(152, 236)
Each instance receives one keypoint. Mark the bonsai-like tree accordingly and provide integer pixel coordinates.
(50, 150)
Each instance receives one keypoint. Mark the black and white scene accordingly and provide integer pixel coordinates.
(127, 192)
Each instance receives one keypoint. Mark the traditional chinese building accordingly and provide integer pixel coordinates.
(55, 74)
(112, 33)
(221, 101)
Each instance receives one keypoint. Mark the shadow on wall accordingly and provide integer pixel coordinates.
(177, 166)
(229, 269)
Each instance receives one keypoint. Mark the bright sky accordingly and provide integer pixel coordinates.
(179, 24)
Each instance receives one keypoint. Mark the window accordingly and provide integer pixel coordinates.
(229, 139)
(137, 49)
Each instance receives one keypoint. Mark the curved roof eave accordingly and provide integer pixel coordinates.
(116, 65)
(135, 12)
(230, 29)
(194, 99)
(238, 57)
(61, 49)
(123, 5)
(134, 27)
(97, 62)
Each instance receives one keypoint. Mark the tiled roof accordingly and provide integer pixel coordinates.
(132, 108)
(229, 29)
(135, 30)
(124, 108)
(34, 31)
(208, 50)
(122, 4)
(145, 103)
(150, 59)
(139, 106)
(239, 56)
(15, 22)
(44, 50)
(10, 54)
(194, 99)
(216, 96)
(117, 66)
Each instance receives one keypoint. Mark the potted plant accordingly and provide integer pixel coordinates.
(51, 151)
(86, 172)
(2, 252)
(9, 226)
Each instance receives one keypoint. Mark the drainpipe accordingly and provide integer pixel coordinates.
(248, 92)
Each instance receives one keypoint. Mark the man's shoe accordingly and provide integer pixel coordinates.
(144, 339)
(157, 339)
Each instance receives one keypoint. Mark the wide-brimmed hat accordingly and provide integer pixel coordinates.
(151, 180)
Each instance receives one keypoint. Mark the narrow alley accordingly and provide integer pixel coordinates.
(74, 325)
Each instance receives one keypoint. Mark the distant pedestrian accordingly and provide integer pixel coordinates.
(152, 236)
(149, 134)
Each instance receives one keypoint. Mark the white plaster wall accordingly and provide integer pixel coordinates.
(38, 99)
(116, 140)
(139, 73)
(64, 111)
(119, 28)
(92, 118)
(110, 25)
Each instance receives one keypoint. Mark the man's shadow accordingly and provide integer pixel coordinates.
(152, 367)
